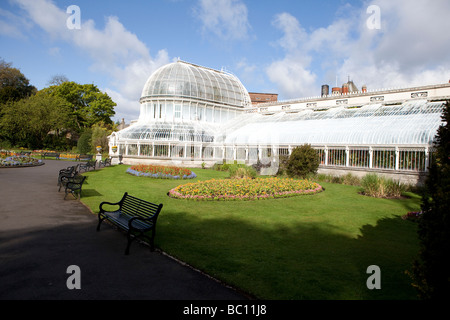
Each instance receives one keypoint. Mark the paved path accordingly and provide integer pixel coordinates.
(41, 235)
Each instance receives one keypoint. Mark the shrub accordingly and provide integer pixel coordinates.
(99, 137)
(241, 172)
(351, 180)
(303, 161)
(237, 170)
(381, 187)
(283, 161)
(260, 166)
(84, 142)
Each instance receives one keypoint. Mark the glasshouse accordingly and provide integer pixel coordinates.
(194, 115)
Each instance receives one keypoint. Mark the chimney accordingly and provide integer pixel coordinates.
(325, 90)
(336, 90)
(345, 88)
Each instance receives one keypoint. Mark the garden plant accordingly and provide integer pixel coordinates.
(164, 172)
(244, 189)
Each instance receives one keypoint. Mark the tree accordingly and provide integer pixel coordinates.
(303, 161)
(89, 105)
(84, 143)
(57, 79)
(100, 133)
(13, 84)
(28, 122)
(431, 270)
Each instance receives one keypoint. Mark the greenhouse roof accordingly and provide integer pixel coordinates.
(168, 131)
(414, 122)
(185, 80)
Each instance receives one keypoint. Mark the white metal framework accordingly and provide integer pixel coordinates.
(409, 123)
(190, 112)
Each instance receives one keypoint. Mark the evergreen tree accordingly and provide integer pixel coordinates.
(431, 270)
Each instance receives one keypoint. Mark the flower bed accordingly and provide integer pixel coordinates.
(68, 156)
(412, 215)
(244, 189)
(162, 172)
(19, 161)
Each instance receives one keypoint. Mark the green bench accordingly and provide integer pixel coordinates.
(135, 216)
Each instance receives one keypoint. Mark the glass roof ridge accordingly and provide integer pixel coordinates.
(203, 67)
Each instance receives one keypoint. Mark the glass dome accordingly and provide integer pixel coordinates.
(188, 81)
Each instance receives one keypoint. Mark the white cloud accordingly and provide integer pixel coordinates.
(293, 77)
(226, 19)
(12, 25)
(292, 74)
(114, 51)
(411, 48)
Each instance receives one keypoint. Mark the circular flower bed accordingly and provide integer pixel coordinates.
(163, 172)
(19, 161)
(244, 189)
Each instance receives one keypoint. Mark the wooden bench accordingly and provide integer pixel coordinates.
(50, 155)
(86, 166)
(135, 216)
(73, 185)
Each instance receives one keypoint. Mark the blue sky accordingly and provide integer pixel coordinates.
(285, 46)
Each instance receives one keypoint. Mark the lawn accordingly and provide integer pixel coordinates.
(304, 247)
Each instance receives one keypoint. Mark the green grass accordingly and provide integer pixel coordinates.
(305, 247)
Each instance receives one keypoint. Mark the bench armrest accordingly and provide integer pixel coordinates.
(107, 203)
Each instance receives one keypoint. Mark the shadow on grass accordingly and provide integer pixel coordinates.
(271, 257)
(303, 261)
(86, 193)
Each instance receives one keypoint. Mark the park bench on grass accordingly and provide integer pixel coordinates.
(135, 216)
(104, 163)
(86, 166)
(50, 155)
(73, 185)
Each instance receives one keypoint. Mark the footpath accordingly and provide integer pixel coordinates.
(42, 236)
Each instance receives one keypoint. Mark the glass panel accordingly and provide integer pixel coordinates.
(216, 115)
(193, 112)
(185, 113)
(177, 113)
(359, 158)
(383, 159)
(336, 157)
(201, 112)
(209, 114)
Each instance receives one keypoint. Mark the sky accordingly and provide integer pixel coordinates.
(288, 47)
